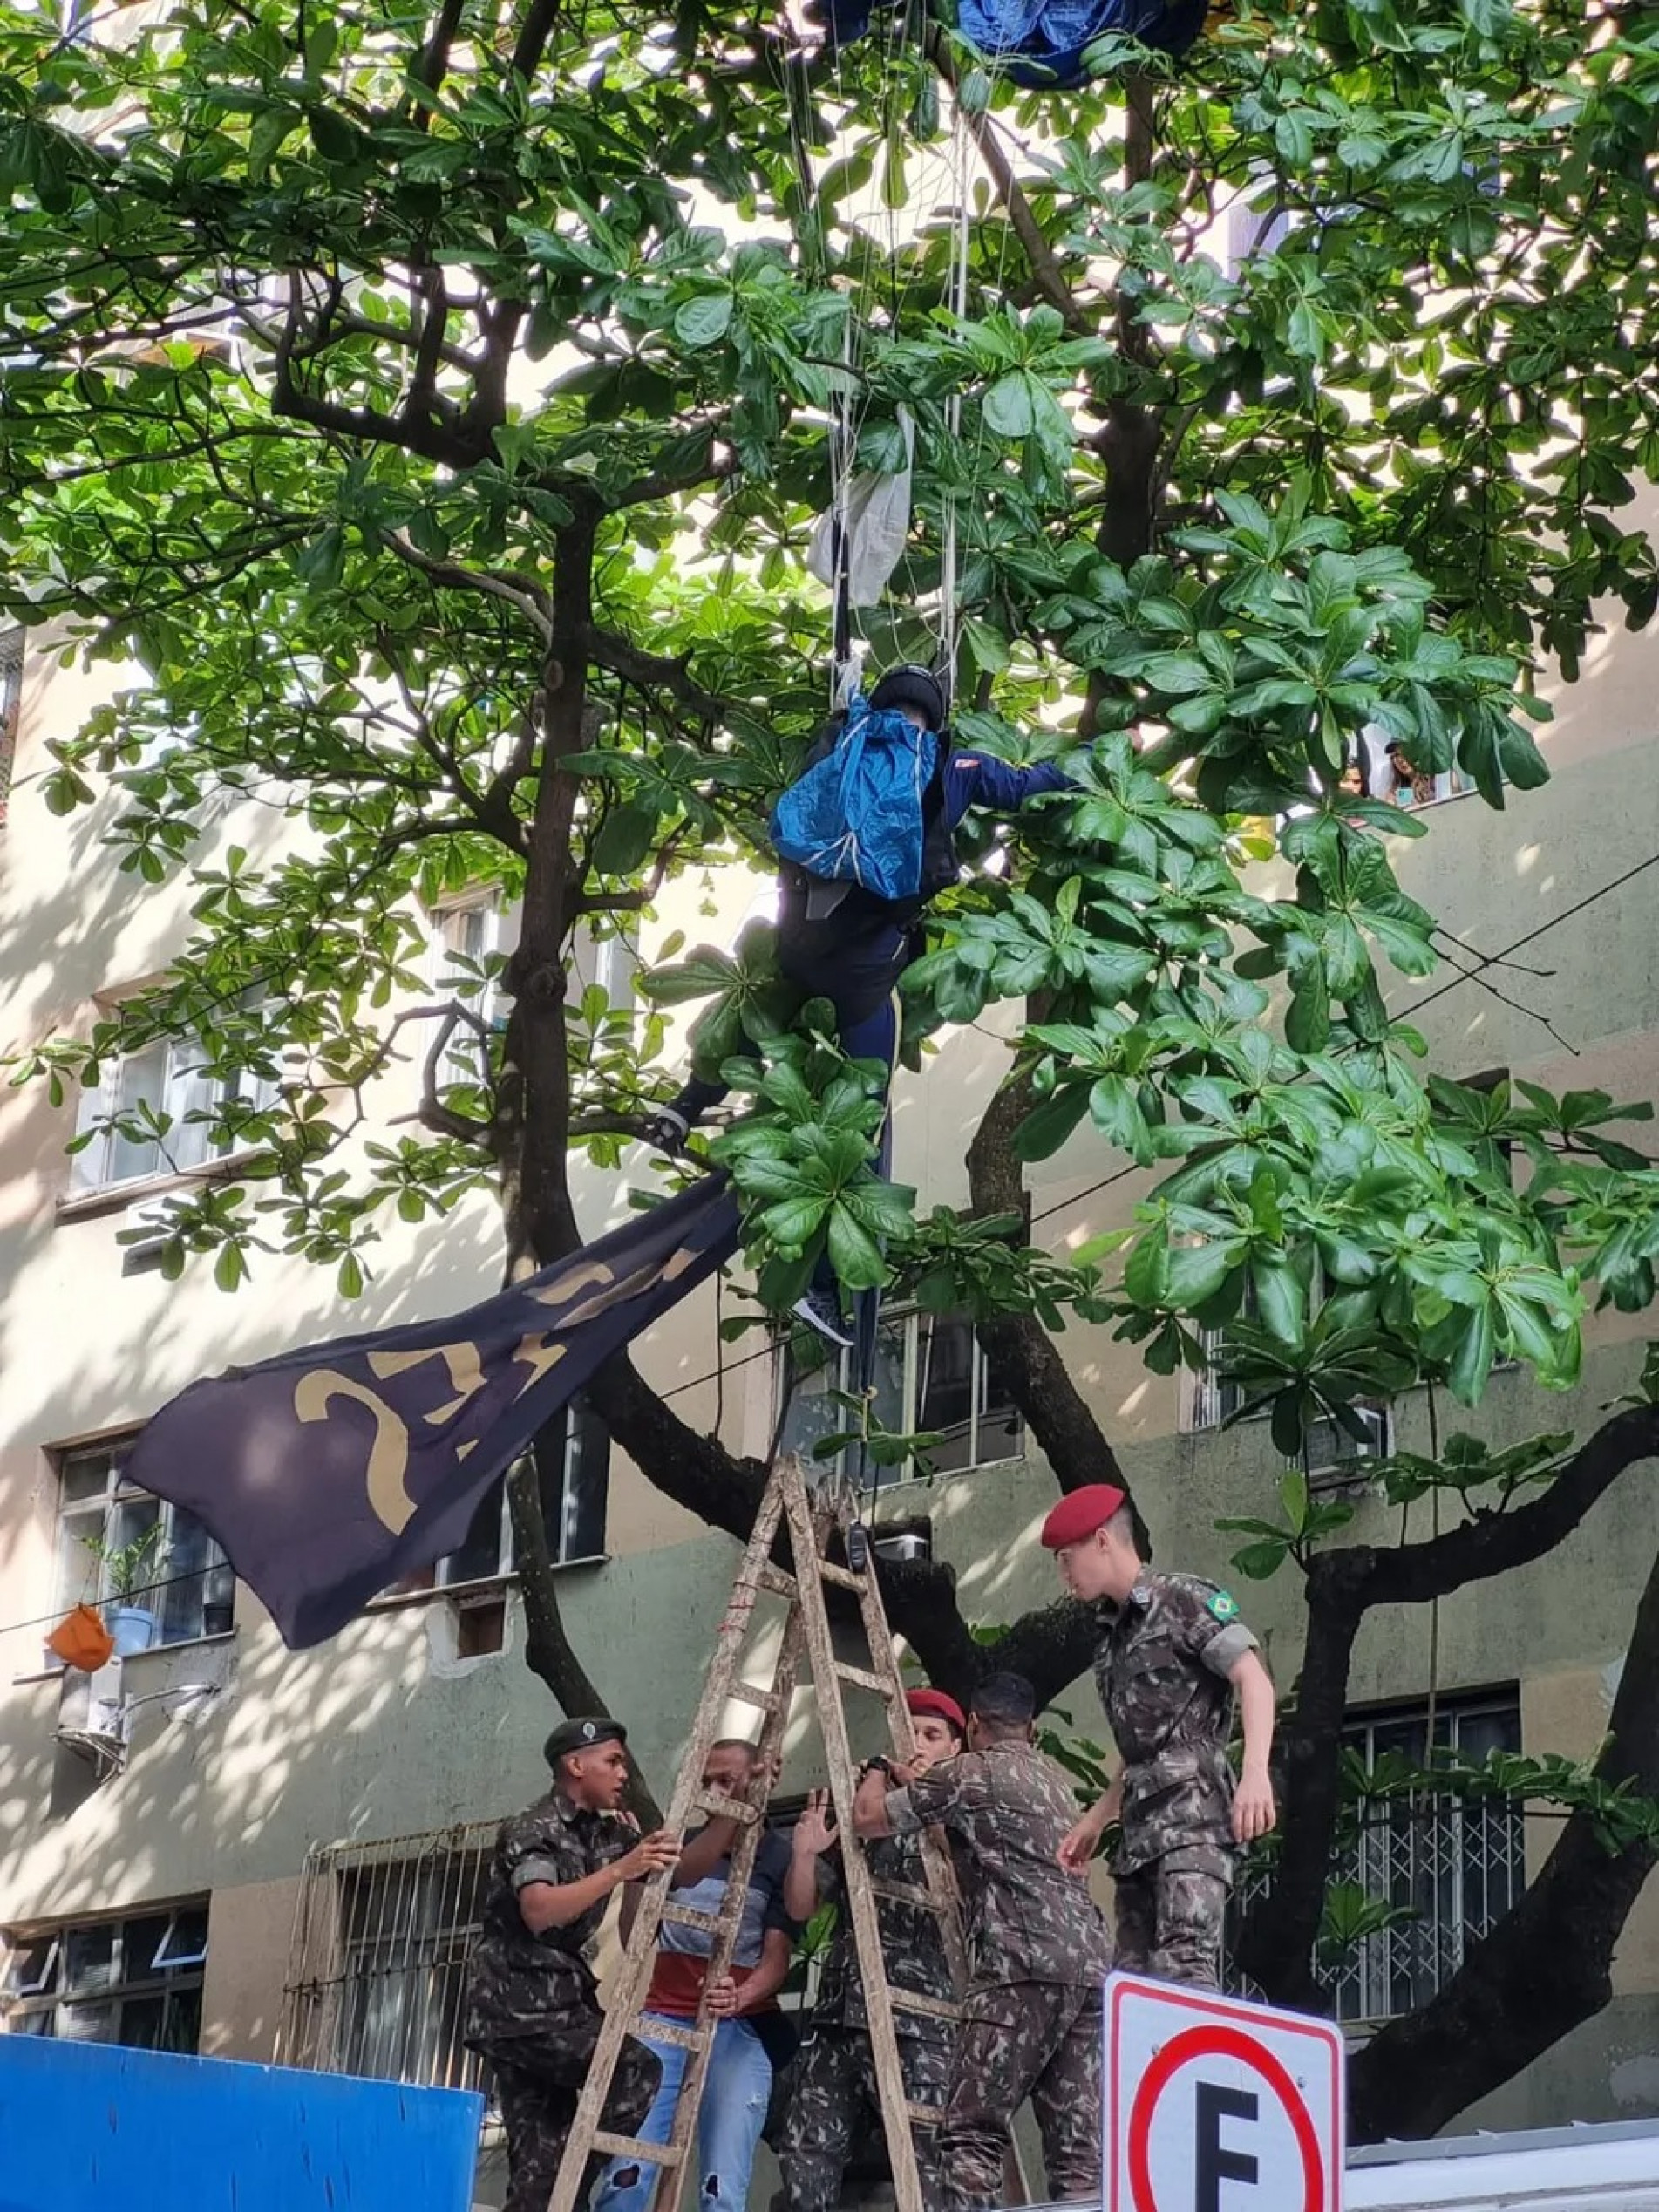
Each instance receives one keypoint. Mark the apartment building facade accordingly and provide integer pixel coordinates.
(285, 1858)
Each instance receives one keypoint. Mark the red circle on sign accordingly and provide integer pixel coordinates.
(1218, 2043)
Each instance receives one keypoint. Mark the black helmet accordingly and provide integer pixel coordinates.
(910, 684)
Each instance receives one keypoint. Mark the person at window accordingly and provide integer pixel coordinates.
(1412, 788)
(835, 2091)
(532, 2005)
(1173, 1656)
(1037, 1948)
(738, 2086)
(839, 940)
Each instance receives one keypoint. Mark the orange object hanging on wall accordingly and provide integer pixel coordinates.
(81, 1640)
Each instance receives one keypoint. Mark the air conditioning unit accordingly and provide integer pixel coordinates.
(1336, 1456)
(146, 1231)
(94, 1720)
(905, 1544)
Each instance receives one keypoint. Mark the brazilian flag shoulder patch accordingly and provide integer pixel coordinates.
(1225, 1606)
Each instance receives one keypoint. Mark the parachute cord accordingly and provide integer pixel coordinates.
(948, 574)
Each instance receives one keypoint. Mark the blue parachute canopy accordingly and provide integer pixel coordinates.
(855, 816)
(1043, 42)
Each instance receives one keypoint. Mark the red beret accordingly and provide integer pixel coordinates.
(1079, 1514)
(935, 1702)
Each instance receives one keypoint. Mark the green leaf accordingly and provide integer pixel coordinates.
(625, 837)
(703, 321)
(1477, 1348)
(1011, 410)
(1280, 1299)
(853, 1252)
(1047, 1127)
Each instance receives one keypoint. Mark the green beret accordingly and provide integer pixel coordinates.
(582, 1735)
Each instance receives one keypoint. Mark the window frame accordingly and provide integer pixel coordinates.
(90, 1176)
(1376, 1963)
(1214, 1402)
(104, 1506)
(50, 1994)
(983, 1415)
(11, 658)
(581, 1435)
(321, 2025)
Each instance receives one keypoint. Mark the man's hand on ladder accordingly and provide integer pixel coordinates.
(651, 1854)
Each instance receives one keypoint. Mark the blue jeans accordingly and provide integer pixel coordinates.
(735, 2095)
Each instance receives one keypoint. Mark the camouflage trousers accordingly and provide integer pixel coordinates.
(1035, 2039)
(538, 2079)
(835, 2093)
(1171, 1916)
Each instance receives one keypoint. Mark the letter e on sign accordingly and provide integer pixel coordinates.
(1215, 2105)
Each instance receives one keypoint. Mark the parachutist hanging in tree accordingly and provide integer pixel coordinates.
(866, 837)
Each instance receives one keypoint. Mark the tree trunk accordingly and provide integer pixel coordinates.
(1053, 1408)
(547, 1650)
(1275, 1947)
(1547, 1966)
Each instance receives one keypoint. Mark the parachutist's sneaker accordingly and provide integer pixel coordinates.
(819, 1310)
(666, 1131)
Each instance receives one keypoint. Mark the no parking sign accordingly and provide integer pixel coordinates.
(1215, 2105)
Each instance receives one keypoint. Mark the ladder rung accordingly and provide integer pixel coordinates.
(751, 1694)
(879, 1685)
(684, 2035)
(768, 1577)
(688, 1916)
(934, 2008)
(725, 1809)
(925, 2115)
(843, 1577)
(630, 2147)
(905, 1893)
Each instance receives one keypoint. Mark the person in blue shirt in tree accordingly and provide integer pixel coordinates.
(839, 941)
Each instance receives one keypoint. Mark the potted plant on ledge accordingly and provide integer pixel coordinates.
(129, 1571)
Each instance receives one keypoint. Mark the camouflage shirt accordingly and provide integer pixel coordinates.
(911, 1948)
(1162, 1669)
(519, 1982)
(1027, 1920)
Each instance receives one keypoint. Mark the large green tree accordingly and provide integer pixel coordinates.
(426, 409)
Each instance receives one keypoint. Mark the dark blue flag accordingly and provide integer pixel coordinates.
(327, 1473)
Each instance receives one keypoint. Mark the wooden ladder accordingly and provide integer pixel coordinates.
(806, 1523)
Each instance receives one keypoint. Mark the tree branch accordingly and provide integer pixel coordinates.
(529, 599)
(1045, 267)
(1491, 1543)
(654, 672)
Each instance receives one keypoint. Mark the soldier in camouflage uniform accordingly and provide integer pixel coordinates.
(1173, 1653)
(835, 2087)
(1038, 1949)
(533, 2008)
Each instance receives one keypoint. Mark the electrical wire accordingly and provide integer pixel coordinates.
(1567, 914)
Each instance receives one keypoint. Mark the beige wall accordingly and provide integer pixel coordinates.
(384, 1731)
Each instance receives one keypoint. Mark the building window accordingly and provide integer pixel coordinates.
(574, 1498)
(376, 1976)
(180, 1577)
(1334, 1454)
(136, 1981)
(1452, 1869)
(10, 705)
(611, 962)
(932, 1377)
(468, 946)
(173, 1106)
